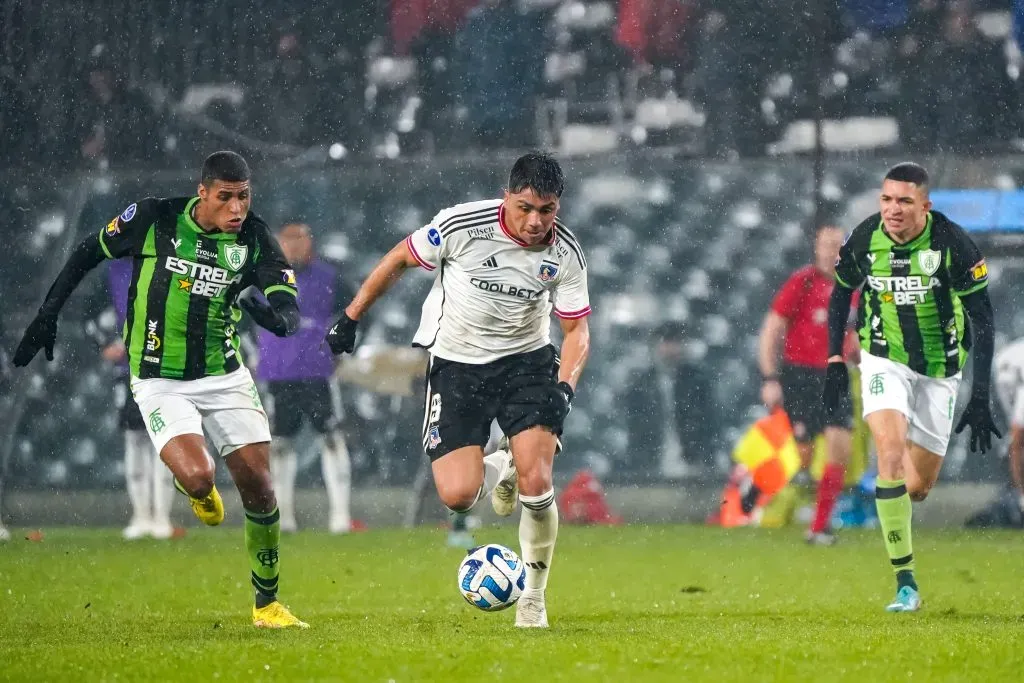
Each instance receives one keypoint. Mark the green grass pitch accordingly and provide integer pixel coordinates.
(660, 603)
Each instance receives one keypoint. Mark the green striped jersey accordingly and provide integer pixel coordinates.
(911, 311)
(182, 318)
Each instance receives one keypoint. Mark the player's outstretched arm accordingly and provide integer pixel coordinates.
(837, 377)
(575, 350)
(279, 313)
(342, 335)
(978, 413)
(42, 331)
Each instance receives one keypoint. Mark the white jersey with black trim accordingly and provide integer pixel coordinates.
(493, 294)
(1008, 369)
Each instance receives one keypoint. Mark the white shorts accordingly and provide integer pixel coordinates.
(227, 406)
(927, 402)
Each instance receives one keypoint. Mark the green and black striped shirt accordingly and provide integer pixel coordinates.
(182, 320)
(911, 311)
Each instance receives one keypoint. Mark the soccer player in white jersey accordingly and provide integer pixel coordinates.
(1009, 372)
(503, 265)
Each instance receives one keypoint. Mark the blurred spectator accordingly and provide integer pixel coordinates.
(501, 57)
(410, 18)
(876, 16)
(113, 121)
(958, 93)
(657, 32)
(732, 69)
(279, 107)
(674, 430)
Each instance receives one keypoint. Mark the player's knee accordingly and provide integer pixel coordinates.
(918, 491)
(535, 481)
(197, 479)
(458, 496)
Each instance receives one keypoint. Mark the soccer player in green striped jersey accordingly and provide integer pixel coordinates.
(193, 258)
(925, 304)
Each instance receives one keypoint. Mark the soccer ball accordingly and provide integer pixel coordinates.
(492, 577)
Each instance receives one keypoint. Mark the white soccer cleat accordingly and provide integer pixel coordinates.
(289, 526)
(505, 495)
(5, 535)
(530, 610)
(339, 525)
(135, 530)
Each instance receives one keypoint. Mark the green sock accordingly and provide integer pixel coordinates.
(894, 512)
(262, 538)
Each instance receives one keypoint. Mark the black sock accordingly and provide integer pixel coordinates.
(263, 600)
(459, 521)
(905, 578)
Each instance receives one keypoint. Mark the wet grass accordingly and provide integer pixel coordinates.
(665, 603)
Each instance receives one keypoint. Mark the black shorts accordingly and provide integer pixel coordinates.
(299, 400)
(801, 397)
(129, 416)
(463, 399)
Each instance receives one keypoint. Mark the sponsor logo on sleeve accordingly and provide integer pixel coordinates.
(113, 228)
(129, 213)
(980, 271)
(434, 237)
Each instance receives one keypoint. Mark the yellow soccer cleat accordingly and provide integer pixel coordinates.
(275, 615)
(209, 510)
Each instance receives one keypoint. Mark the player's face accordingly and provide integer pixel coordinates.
(296, 243)
(224, 205)
(826, 249)
(904, 206)
(529, 217)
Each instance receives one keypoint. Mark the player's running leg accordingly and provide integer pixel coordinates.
(138, 465)
(463, 476)
(193, 469)
(284, 465)
(337, 472)
(839, 443)
(889, 428)
(506, 492)
(534, 452)
(250, 469)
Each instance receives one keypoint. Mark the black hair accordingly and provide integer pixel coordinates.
(908, 172)
(227, 166)
(539, 172)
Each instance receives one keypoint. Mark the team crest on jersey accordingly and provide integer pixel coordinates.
(129, 213)
(929, 260)
(235, 255)
(548, 271)
(113, 228)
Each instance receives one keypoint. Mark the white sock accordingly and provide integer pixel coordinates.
(337, 472)
(284, 464)
(137, 464)
(494, 466)
(538, 528)
(162, 481)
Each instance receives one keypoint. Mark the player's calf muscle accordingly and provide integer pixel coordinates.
(187, 459)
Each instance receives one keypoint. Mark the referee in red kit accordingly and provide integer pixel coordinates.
(799, 319)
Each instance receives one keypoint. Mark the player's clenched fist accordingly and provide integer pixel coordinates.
(342, 336)
(41, 333)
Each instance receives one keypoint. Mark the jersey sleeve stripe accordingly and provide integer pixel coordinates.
(570, 241)
(475, 223)
(415, 254)
(972, 290)
(840, 281)
(573, 315)
(280, 288)
(468, 216)
(103, 246)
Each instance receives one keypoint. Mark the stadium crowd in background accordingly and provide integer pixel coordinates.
(421, 74)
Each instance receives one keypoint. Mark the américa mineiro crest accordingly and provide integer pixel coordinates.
(235, 255)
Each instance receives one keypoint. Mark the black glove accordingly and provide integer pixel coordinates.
(837, 385)
(41, 333)
(342, 337)
(260, 311)
(562, 403)
(978, 415)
